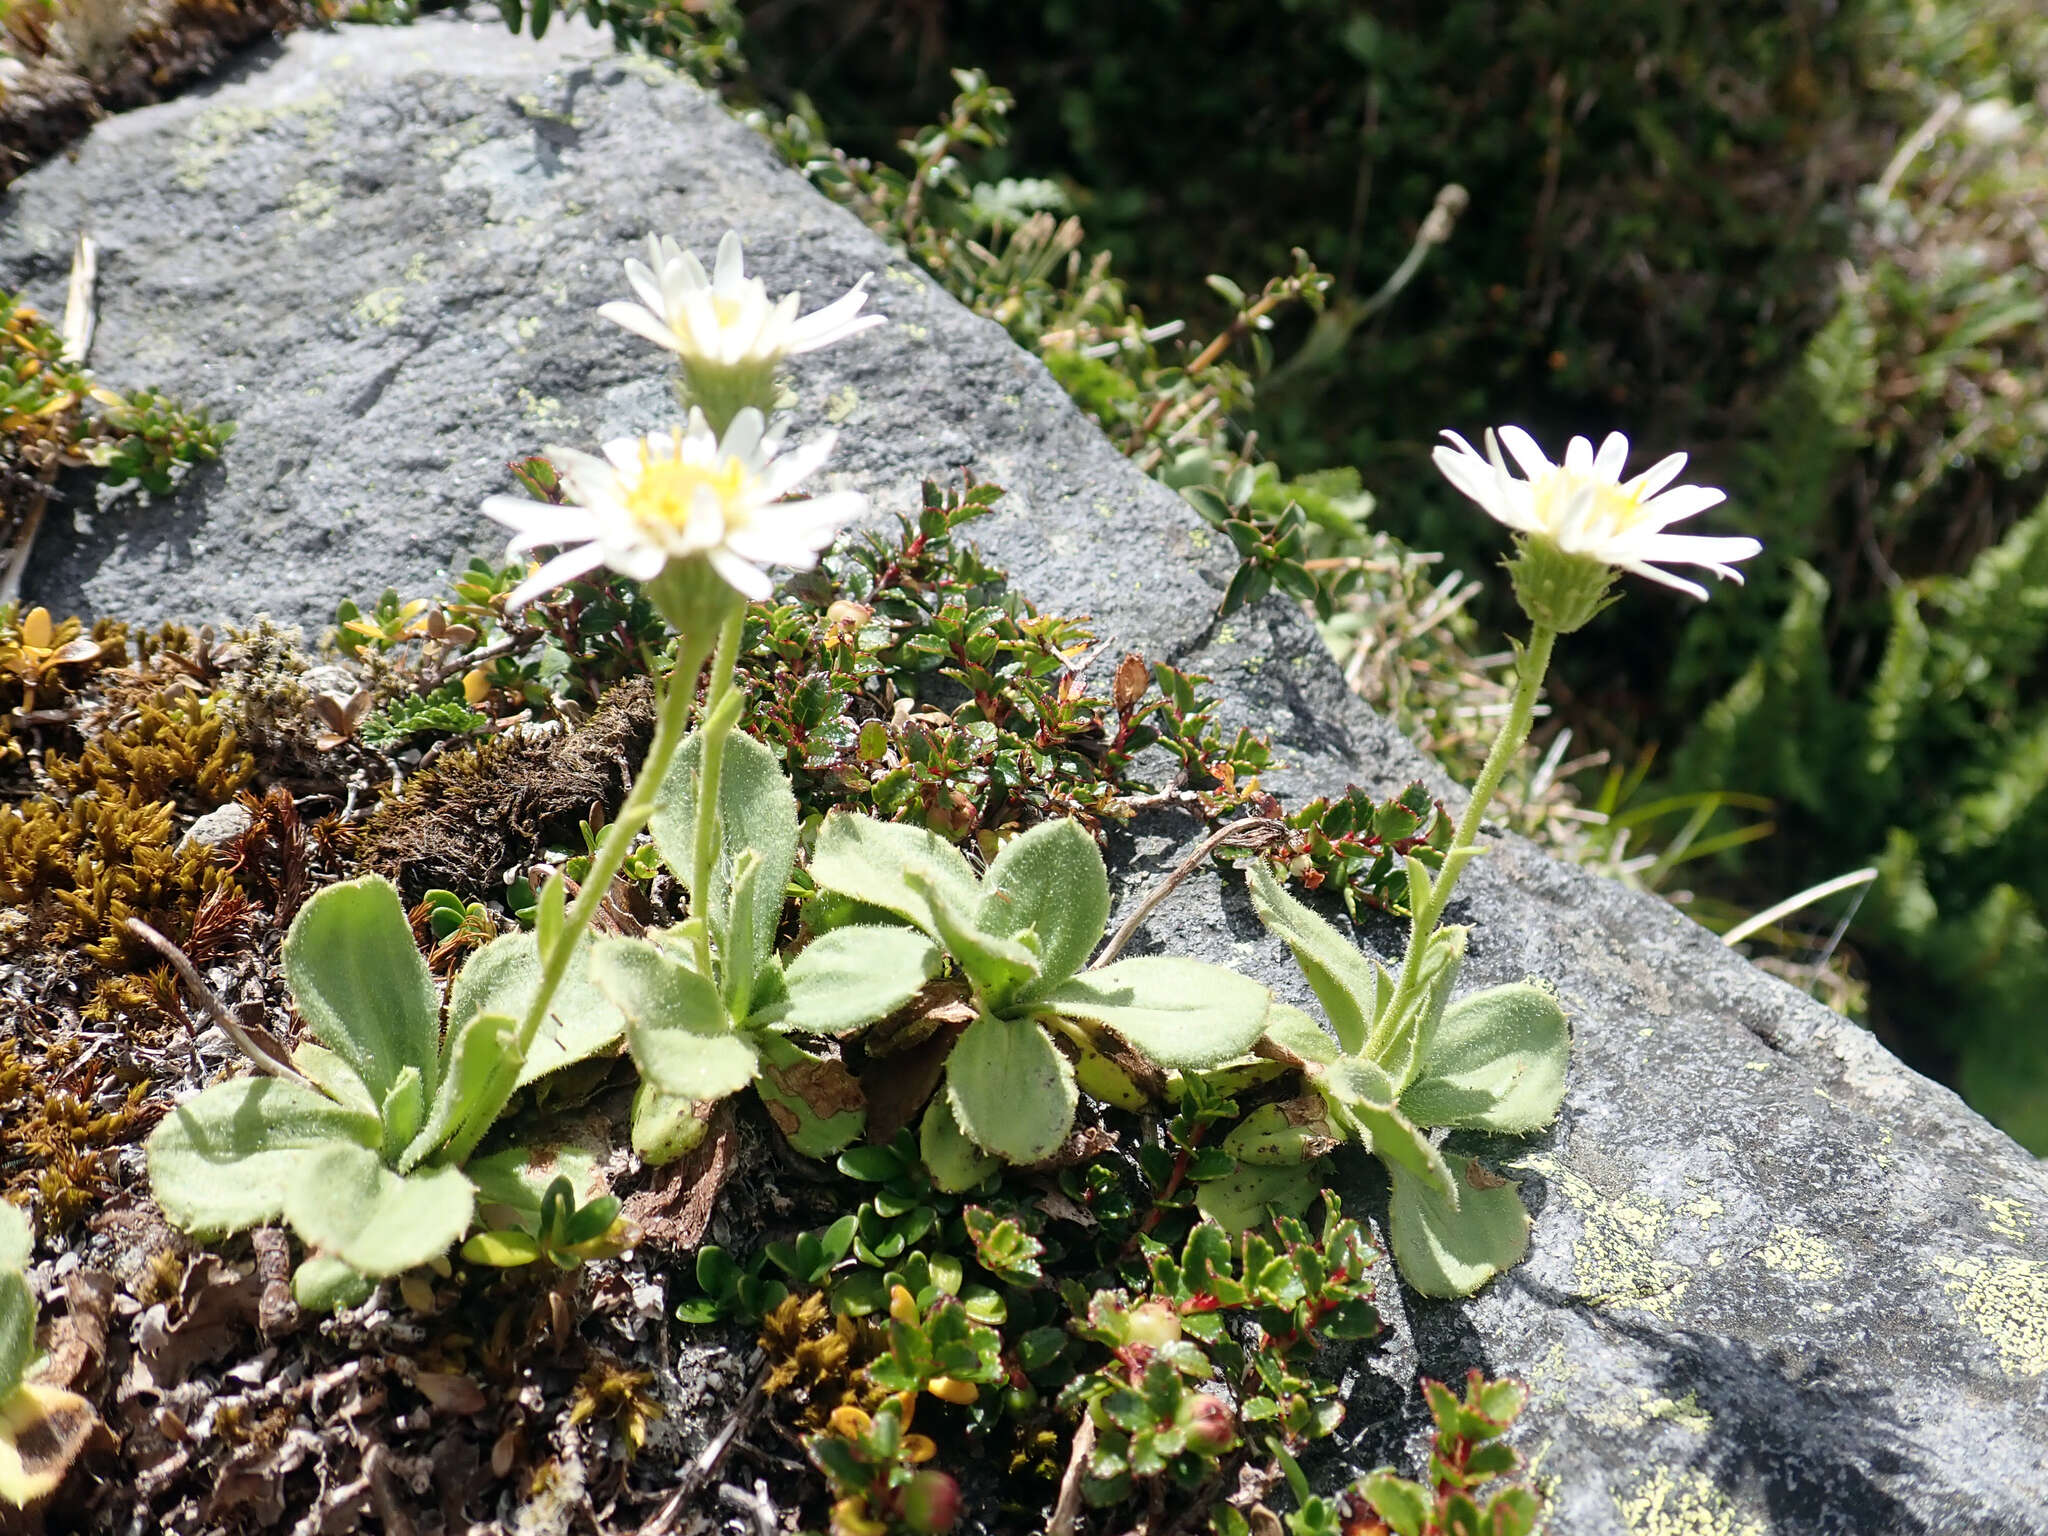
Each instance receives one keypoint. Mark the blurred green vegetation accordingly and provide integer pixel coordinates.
(1805, 240)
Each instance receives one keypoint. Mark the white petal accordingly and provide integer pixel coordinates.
(519, 512)
(642, 562)
(742, 438)
(1666, 579)
(1472, 475)
(1527, 454)
(740, 576)
(731, 268)
(1578, 456)
(568, 525)
(641, 323)
(688, 272)
(1701, 549)
(799, 463)
(1612, 458)
(1681, 501)
(1656, 477)
(566, 566)
(646, 284)
(624, 453)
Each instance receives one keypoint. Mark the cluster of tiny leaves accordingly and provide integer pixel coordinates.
(904, 680)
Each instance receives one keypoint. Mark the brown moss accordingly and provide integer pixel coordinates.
(815, 1358)
(61, 1117)
(476, 813)
(177, 746)
(104, 847)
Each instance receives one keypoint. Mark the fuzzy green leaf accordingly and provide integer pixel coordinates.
(17, 1237)
(404, 1111)
(325, 1284)
(1283, 1134)
(1050, 880)
(517, 1177)
(955, 1163)
(866, 859)
(1010, 1089)
(1179, 1013)
(756, 811)
(1496, 1062)
(346, 1203)
(224, 1160)
(1361, 1093)
(503, 976)
(738, 954)
(1343, 978)
(333, 1076)
(360, 983)
(846, 979)
(1442, 957)
(1447, 1250)
(676, 1024)
(1001, 969)
(481, 1071)
(17, 1330)
(814, 1101)
(1241, 1200)
(665, 1125)
(1295, 1032)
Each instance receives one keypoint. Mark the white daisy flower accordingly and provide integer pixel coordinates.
(727, 319)
(1584, 508)
(677, 496)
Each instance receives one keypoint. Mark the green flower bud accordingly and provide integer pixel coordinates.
(1558, 590)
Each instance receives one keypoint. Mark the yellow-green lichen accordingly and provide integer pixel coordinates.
(380, 306)
(2007, 1218)
(1648, 1407)
(1706, 1208)
(541, 410)
(214, 134)
(312, 202)
(1800, 1254)
(841, 403)
(1614, 1261)
(1669, 1502)
(2005, 1300)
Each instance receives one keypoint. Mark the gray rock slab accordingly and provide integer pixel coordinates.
(1778, 1282)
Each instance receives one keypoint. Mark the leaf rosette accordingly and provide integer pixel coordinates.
(1020, 934)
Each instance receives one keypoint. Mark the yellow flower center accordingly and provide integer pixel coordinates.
(727, 309)
(667, 488)
(1610, 512)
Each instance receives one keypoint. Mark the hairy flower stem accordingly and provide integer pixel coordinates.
(1514, 733)
(718, 723)
(672, 716)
